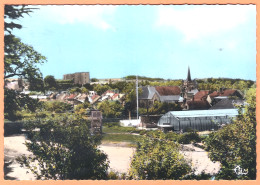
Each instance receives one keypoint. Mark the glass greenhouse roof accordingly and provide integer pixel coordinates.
(204, 113)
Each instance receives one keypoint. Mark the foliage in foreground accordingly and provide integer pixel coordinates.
(15, 102)
(186, 138)
(63, 148)
(157, 159)
(235, 144)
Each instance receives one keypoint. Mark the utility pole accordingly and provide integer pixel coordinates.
(137, 96)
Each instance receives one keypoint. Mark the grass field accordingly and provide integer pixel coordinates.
(119, 134)
(120, 138)
(119, 129)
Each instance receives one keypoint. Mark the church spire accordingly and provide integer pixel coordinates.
(188, 76)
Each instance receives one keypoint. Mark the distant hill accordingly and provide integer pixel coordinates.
(133, 77)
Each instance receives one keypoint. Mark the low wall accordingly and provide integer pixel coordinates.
(130, 123)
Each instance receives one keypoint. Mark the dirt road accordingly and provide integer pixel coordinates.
(14, 147)
(118, 155)
(199, 160)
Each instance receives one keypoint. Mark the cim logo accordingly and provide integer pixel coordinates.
(240, 171)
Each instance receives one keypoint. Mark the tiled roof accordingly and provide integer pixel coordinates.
(114, 96)
(72, 96)
(228, 92)
(214, 94)
(64, 97)
(108, 91)
(200, 95)
(95, 97)
(81, 97)
(198, 105)
(168, 90)
(165, 93)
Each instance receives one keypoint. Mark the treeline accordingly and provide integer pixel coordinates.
(214, 84)
(133, 77)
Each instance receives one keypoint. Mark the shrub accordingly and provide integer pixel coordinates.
(202, 176)
(187, 138)
(156, 159)
(54, 105)
(58, 110)
(41, 115)
(172, 136)
(112, 175)
(143, 132)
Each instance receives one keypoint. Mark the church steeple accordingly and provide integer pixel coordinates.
(188, 76)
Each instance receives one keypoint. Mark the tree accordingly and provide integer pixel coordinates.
(11, 105)
(13, 13)
(50, 82)
(13, 102)
(20, 60)
(110, 109)
(64, 84)
(120, 86)
(36, 84)
(100, 89)
(84, 90)
(55, 105)
(94, 80)
(235, 144)
(64, 149)
(82, 108)
(163, 107)
(156, 159)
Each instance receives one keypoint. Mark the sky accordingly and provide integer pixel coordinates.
(147, 40)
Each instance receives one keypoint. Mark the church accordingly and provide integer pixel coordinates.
(189, 87)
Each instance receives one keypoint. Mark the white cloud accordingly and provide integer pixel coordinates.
(95, 15)
(196, 21)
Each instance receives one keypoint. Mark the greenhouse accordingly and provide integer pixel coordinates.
(200, 120)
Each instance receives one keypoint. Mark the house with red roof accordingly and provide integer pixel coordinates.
(150, 94)
(201, 95)
(94, 99)
(198, 105)
(217, 96)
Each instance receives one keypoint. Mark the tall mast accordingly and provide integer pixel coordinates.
(137, 96)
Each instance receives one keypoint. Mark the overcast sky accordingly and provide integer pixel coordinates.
(154, 41)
